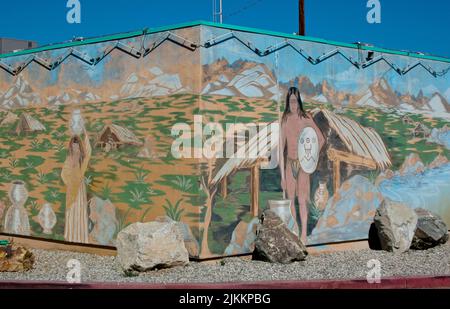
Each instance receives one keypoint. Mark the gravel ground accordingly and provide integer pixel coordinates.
(51, 265)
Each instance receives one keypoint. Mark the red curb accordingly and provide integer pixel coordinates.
(386, 283)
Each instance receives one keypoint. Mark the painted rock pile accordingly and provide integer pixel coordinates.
(243, 238)
(348, 213)
(104, 221)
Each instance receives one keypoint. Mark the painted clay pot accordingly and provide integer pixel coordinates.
(321, 196)
(18, 193)
(77, 123)
(16, 219)
(47, 218)
(283, 210)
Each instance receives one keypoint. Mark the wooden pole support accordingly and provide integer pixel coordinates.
(254, 180)
(224, 187)
(338, 156)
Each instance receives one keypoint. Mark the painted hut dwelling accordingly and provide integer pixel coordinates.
(114, 136)
(28, 124)
(259, 149)
(8, 119)
(165, 104)
(352, 144)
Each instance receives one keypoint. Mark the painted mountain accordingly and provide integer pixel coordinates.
(19, 95)
(241, 78)
(250, 79)
(378, 95)
(155, 82)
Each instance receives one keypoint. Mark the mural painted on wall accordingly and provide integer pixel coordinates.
(379, 122)
(85, 149)
(86, 137)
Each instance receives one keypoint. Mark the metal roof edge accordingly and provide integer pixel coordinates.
(223, 26)
(324, 41)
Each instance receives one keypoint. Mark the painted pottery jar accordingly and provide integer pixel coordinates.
(77, 122)
(16, 218)
(47, 218)
(282, 208)
(321, 196)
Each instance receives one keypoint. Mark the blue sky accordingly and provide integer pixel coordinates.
(414, 25)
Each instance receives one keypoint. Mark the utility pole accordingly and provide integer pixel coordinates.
(217, 13)
(301, 17)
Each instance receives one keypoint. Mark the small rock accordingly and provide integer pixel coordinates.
(152, 245)
(430, 232)
(21, 260)
(396, 224)
(275, 243)
(412, 165)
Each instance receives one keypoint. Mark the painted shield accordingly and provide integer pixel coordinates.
(308, 150)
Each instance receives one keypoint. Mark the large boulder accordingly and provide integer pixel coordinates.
(152, 245)
(430, 232)
(395, 224)
(349, 213)
(275, 243)
(190, 242)
(15, 259)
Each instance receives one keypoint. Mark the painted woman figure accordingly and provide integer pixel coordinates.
(79, 153)
(302, 141)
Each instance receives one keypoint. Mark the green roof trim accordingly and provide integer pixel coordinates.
(223, 26)
(323, 41)
(87, 41)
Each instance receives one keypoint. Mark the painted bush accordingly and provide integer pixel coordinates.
(382, 122)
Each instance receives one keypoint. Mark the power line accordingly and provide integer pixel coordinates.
(247, 6)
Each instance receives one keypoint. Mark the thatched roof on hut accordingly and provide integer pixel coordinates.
(9, 118)
(362, 141)
(29, 124)
(119, 135)
(230, 165)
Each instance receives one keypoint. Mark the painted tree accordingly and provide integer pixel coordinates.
(210, 191)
